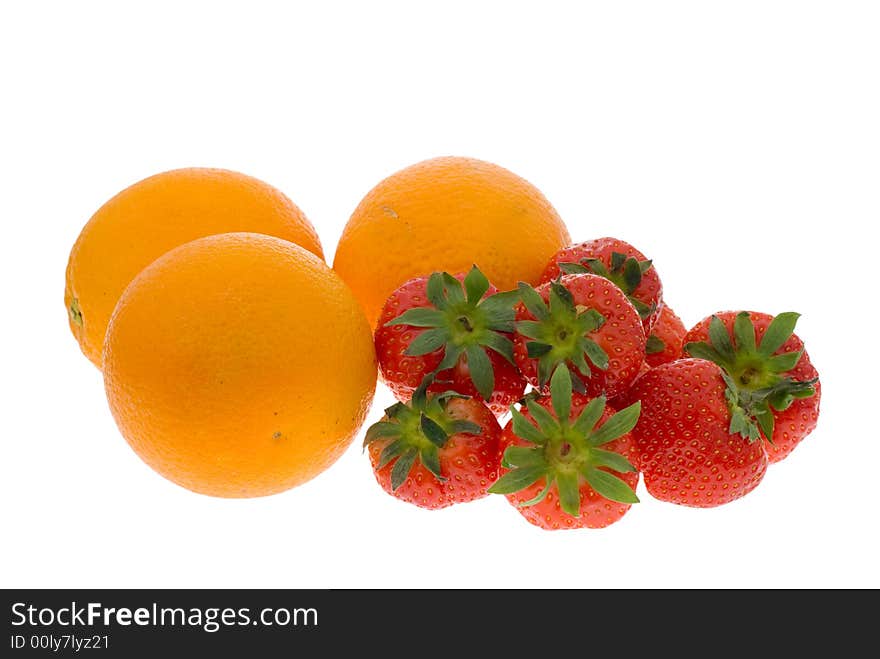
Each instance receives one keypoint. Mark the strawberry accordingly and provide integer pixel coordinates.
(562, 457)
(666, 338)
(460, 333)
(772, 386)
(688, 454)
(619, 262)
(585, 322)
(435, 451)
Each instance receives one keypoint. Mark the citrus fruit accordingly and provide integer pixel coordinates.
(447, 214)
(238, 365)
(144, 221)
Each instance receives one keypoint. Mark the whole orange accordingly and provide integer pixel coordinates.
(447, 214)
(239, 365)
(144, 221)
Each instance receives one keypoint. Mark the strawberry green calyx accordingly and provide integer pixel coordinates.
(463, 322)
(559, 333)
(625, 272)
(417, 431)
(566, 452)
(654, 344)
(755, 376)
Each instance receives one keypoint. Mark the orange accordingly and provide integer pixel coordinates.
(447, 214)
(238, 365)
(144, 221)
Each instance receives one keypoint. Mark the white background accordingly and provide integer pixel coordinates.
(736, 144)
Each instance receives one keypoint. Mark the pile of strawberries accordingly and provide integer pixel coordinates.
(617, 387)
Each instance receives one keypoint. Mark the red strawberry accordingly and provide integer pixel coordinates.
(666, 339)
(562, 470)
(687, 453)
(436, 451)
(621, 263)
(585, 322)
(773, 388)
(462, 334)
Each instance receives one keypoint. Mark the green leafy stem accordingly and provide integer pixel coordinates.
(565, 452)
(756, 377)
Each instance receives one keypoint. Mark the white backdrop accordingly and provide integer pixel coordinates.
(735, 143)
